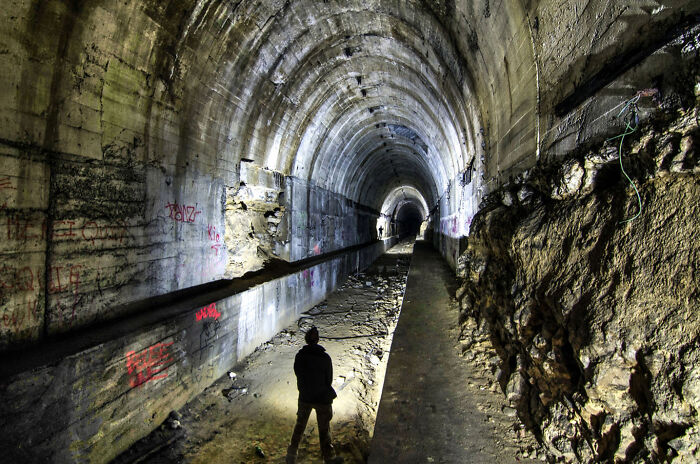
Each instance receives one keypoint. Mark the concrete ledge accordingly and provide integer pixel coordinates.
(97, 392)
(449, 247)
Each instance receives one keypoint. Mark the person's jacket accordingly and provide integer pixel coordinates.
(314, 372)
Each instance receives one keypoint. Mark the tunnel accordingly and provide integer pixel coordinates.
(408, 221)
(183, 181)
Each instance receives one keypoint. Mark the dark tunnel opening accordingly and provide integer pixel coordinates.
(408, 221)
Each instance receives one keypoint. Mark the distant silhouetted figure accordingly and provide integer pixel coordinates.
(314, 371)
(381, 229)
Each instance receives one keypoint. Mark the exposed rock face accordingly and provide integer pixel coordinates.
(596, 320)
(255, 221)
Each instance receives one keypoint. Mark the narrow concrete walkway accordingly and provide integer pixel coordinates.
(428, 412)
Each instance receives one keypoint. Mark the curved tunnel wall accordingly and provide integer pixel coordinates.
(151, 146)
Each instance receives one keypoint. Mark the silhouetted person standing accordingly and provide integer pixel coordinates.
(314, 371)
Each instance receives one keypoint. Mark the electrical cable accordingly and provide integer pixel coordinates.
(630, 119)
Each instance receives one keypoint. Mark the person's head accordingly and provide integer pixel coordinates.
(311, 336)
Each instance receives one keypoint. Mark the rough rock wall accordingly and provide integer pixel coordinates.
(255, 220)
(597, 320)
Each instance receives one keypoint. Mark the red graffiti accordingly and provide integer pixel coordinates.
(64, 279)
(12, 278)
(61, 278)
(92, 231)
(208, 312)
(63, 229)
(56, 285)
(6, 184)
(212, 233)
(182, 213)
(317, 249)
(23, 229)
(148, 364)
(214, 237)
(16, 318)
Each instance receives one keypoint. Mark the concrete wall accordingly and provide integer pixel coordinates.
(323, 221)
(450, 220)
(658, 63)
(91, 404)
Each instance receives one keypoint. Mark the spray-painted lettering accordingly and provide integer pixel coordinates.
(208, 312)
(18, 229)
(63, 229)
(149, 364)
(23, 278)
(58, 283)
(92, 231)
(13, 278)
(6, 184)
(309, 275)
(215, 238)
(15, 319)
(182, 213)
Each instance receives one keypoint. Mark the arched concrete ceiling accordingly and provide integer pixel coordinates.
(313, 88)
(401, 196)
(357, 97)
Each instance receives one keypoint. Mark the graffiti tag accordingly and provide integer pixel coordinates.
(208, 312)
(182, 213)
(148, 364)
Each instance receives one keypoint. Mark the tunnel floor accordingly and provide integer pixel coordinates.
(436, 405)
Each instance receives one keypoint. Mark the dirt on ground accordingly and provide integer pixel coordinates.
(248, 415)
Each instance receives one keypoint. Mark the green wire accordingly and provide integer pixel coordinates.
(628, 130)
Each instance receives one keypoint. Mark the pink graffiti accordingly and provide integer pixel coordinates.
(309, 274)
(214, 237)
(317, 250)
(212, 233)
(182, 213)
(208, 312)
(148, 364)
